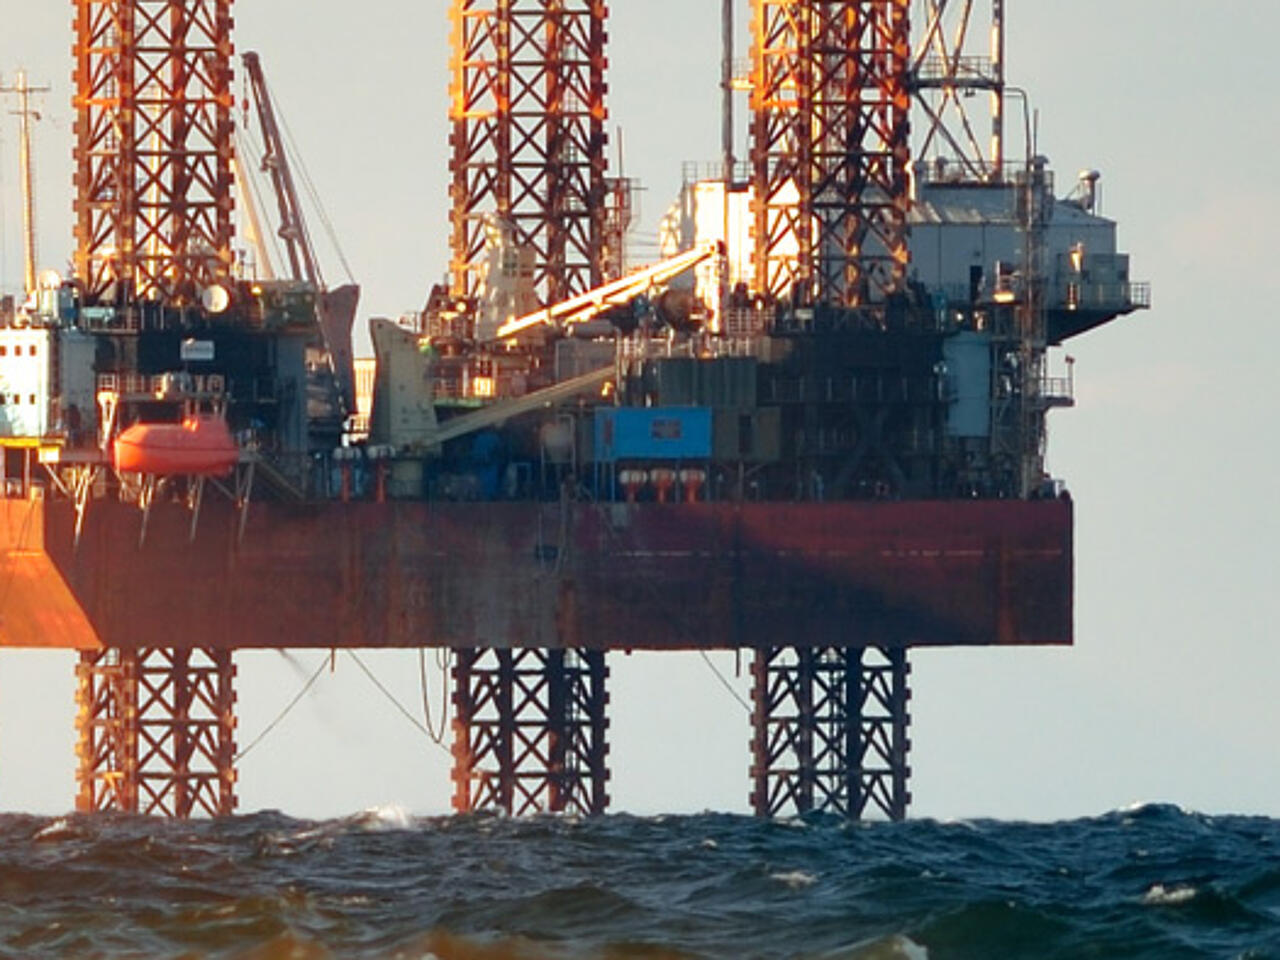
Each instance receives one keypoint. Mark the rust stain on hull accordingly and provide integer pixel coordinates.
(615, 576)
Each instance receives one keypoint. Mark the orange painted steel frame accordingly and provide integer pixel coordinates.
(608, 576)
(830, 149)
(156, 732)
(153, 106)
(527, 108)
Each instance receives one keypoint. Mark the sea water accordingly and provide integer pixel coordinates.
(1153, 881)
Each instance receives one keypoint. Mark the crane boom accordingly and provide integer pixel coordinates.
(587, 306)
(335, 309)
(293, 226)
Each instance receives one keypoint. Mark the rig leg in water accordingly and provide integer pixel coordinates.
(829, 731)
(156, 732)
(530, 731)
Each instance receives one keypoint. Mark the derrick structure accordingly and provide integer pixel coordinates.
(153, 211)
(830, 154)
(153, 106)
(527, 109)
(830, 151)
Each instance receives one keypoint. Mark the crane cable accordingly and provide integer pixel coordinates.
(285, 712)
(394, 702)
(724, 681)
(245, 145)
(301, 167)
(436, 736)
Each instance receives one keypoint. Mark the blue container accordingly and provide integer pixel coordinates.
(652, 433)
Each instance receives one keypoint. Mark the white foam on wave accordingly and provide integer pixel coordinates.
(1162, 896)
(390, 816)
(795, 879)
(908, 949)
(896, 947)
(1139, 805)
(54, 831)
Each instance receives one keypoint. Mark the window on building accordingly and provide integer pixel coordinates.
(31, 352)
(3, 350)
(32, 398)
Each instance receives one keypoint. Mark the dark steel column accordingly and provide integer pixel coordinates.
(529, 731)
(830, 731)
(879, 713)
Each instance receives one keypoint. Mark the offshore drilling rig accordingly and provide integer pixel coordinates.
(814, 431)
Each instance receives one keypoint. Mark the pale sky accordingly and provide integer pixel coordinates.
(1170, 691)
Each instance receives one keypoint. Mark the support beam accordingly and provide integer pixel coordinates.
(530, 731)
(156, 732)
(829, 731)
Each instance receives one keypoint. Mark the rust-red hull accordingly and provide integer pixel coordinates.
(642, 576)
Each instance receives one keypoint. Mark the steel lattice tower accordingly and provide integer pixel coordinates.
(527, 109)
(831, 148)
(153, 148)
(530, 731)
(153, 223)
(156, 732)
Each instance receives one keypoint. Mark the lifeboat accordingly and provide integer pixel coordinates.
(199, 445)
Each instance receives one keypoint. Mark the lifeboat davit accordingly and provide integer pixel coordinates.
(200, 445)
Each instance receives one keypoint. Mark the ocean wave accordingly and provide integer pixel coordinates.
(383, 884)
(795, 879)
(1160, 895)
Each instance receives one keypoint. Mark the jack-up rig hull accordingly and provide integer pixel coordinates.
(642, 576)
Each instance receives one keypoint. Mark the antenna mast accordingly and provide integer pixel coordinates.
(26, 115)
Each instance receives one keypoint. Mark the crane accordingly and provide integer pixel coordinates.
(335, 309)
(587, 306)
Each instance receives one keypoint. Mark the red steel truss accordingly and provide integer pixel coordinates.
(153, 148)
(156, 732)
(529, 731)
(829, 731)
(831, 148)
(527, 107)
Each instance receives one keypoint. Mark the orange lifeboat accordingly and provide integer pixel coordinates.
(200, 444)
